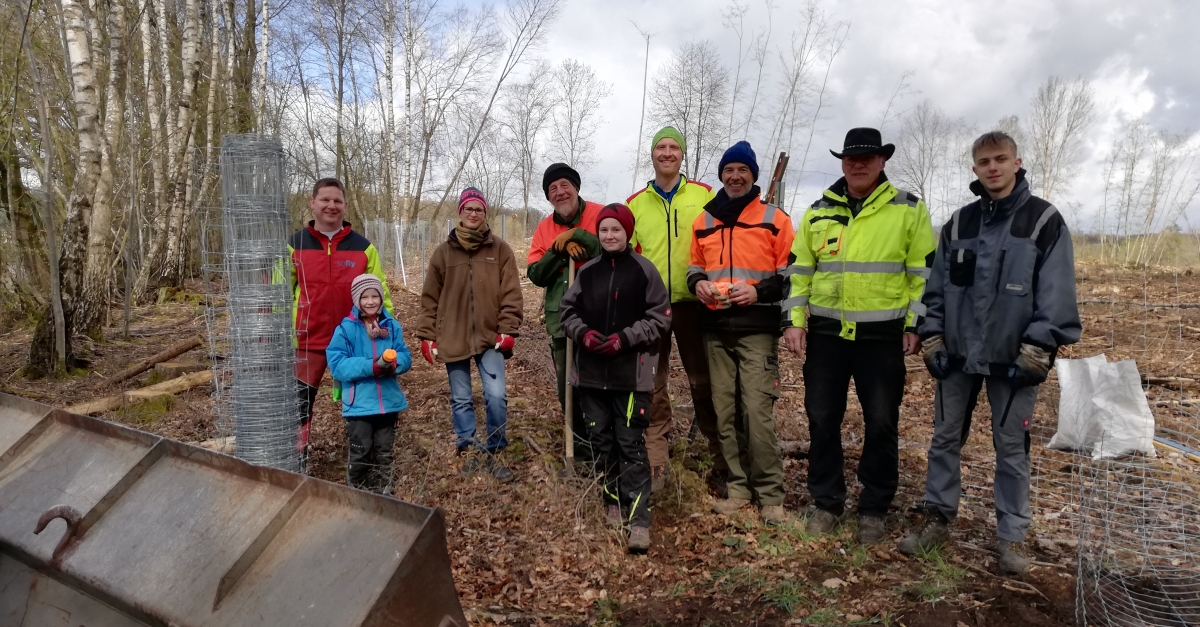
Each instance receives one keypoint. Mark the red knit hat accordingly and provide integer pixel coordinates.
(621, 214)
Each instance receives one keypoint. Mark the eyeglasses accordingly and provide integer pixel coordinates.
(474, 210)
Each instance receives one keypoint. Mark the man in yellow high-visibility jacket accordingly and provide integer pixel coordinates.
(861, 257)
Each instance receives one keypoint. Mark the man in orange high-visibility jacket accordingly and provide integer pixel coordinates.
(568, 233)
(739, 254)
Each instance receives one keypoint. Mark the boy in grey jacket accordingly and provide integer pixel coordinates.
(1001, 302)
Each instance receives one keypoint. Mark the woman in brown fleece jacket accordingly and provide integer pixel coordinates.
(471, 309)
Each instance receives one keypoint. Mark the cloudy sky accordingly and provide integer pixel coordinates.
(975, 60)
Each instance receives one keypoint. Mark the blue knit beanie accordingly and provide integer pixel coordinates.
(740, 152)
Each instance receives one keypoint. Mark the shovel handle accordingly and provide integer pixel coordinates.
(569, 404)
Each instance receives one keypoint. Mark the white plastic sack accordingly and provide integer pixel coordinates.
(1102, 408)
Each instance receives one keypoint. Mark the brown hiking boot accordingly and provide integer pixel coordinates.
(934, 534)
(729, 506)
(1012, 562)
(773, 514)
(658, 478)
(871, 530)
(612, 516)
(718, 483)
(639, 540)
(820, 522)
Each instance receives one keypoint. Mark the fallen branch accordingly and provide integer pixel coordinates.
(166, 388)
(147, 364)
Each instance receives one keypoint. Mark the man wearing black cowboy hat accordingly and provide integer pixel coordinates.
(861, 257)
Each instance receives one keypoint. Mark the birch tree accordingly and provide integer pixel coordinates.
(693, 96)
(1061, 113)
(578, 94)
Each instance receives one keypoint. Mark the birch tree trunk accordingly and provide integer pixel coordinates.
(78, 216)
(181, 208)
(98, 275)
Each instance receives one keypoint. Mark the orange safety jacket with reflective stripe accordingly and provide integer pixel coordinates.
(751, 248)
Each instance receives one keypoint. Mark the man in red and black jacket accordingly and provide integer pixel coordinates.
(326, 257)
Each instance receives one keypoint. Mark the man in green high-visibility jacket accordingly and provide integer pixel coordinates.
(860, 260)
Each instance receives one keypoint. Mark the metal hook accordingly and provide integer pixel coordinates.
(70, 515)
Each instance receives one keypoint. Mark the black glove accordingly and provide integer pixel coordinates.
(937, 359)
(1031, 367)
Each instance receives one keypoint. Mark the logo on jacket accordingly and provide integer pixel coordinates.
(345, 263)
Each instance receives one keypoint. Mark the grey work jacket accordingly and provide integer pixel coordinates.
(1003, 275)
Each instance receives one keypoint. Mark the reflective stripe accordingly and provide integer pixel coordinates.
(746, 273)
(1046, 215)
(902, 198)
(633, 508)
(708, 220)
(795, 301)
(862, 267)
(802, 270)
(769, 214)
(917, 308)
(954, 226)
(780, 269)
(920, 271)
(859, 316)
(629, 411)
(692, 269)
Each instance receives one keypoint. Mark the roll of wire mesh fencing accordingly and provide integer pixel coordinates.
(1139, 531)
(249, 314)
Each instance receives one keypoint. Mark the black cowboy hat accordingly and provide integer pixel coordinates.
(865, 141)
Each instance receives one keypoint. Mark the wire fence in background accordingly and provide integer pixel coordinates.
(251, 337)
(404, 247)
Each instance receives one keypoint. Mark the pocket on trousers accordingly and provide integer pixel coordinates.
(771, 373)
(637, 412)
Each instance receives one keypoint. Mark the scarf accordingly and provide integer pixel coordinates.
(373, 328)
(470, 239)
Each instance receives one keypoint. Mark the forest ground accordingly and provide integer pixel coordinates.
(537, 552)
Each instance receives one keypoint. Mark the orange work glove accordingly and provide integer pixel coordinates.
(577, 252)
(562, 239)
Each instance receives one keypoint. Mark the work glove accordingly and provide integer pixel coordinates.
(576, 251)
(382, 369)
(505, 343)
(428, 350)
(937, 359)
(611, 346)
(592, 340)
(561, 241)
(1031, 367)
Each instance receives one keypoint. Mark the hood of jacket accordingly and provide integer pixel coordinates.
(994, 210)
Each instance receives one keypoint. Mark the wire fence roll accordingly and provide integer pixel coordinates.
(1139, 532)
(249, 313)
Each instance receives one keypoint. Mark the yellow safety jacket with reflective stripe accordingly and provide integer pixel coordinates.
(866, 268)
(663, 231)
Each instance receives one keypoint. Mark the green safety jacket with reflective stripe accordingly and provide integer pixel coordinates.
(854, 273)
(663, 231)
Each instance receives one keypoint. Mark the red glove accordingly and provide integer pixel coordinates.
(592, 340)
(383, 370)
(428, 350)
(505, 343)
(611, 346)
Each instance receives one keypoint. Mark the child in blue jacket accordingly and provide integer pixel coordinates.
(371, 396)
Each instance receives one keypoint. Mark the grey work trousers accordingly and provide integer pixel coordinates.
(1012, 414)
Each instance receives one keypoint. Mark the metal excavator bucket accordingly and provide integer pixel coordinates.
(105, 526)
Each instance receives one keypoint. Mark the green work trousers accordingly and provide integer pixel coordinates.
(744, 370)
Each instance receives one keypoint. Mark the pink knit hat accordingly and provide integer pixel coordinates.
(362, 283)
(470, 194)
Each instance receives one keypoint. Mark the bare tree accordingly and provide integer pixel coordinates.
(578, 94)
(637, 149)
(693, 96)
(527, 22)
(1062, 111)
(933, 159)
(72, 256)
(525, 114)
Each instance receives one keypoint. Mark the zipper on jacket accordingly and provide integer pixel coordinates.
(667, 217)
(374, 358)
(608, 301)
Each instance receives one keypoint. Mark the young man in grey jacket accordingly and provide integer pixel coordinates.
(1001, 302)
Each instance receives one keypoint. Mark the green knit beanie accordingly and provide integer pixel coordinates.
(669, 131)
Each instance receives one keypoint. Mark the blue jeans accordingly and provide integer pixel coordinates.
(491, 371)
